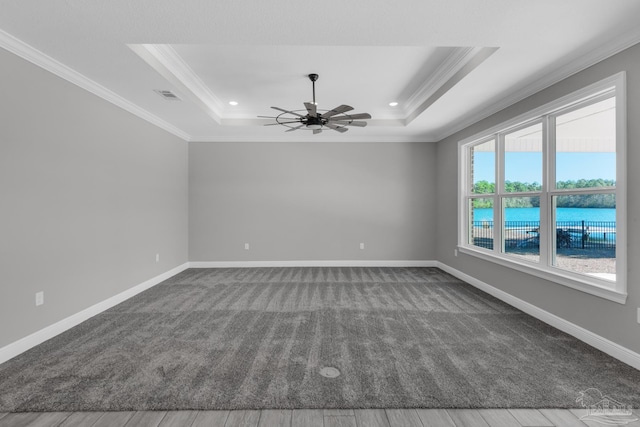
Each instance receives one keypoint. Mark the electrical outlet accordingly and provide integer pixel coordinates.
(157, 257)
(246, 246)
(361, 245)
(39, 298)
(455, 252)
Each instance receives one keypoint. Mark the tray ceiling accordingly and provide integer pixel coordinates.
(446, 64)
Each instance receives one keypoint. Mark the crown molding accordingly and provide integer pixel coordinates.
(400, 139)
(169, 64)
(166, 61)
(36, 57)
(432, 82)
(587, 60)
(473, 60)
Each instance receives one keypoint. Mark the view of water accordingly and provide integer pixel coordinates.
(591, 217)
(563, 214)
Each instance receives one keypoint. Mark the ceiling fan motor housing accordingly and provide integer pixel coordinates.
(314, 122)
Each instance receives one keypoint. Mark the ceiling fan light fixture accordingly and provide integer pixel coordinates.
(316, 120)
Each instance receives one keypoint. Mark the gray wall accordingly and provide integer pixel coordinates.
(608, 319)
(311, 201)
(89, 195)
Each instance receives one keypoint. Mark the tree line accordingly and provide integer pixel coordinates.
(568, 201)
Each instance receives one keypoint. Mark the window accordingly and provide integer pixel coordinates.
(544, 193)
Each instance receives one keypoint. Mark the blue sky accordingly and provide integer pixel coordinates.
(526, 167)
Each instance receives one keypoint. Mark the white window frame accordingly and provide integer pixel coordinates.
(614, 291)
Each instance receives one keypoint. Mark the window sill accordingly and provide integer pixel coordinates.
(590, 285)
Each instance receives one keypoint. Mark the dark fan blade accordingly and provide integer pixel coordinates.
(351, 117)
(288, 112)
(311, 108)
(281, 123)
(338, 110)
(292, 129)
(346, 123)
(340, 129)
(317, 131)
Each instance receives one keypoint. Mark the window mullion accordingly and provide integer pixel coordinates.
(587, 190)
(548, 182)
(464, 230)
(498, 221)
(621, 185)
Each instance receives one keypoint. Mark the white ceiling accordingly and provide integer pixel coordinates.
(448, 64)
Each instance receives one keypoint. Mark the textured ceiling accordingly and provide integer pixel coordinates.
(446, 63)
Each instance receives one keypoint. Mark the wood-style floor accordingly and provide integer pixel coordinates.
(308, 418)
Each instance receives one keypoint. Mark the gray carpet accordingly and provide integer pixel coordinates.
(258, 338)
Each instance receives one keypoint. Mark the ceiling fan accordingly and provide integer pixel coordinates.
(316, 119)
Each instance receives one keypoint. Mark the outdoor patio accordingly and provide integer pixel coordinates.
(581, 246)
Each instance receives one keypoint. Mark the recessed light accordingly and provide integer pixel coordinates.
(393, 104)
(234, 103)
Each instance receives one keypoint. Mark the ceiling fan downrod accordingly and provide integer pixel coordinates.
(313, 78)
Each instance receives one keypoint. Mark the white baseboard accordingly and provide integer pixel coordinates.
(615, 350)
(357, 263)
(12, 350)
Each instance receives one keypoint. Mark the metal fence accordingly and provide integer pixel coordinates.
(589, 235)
